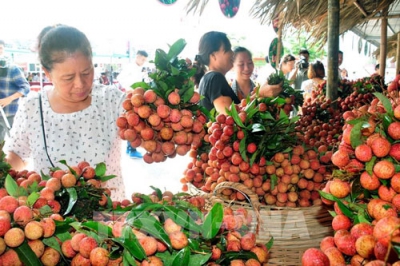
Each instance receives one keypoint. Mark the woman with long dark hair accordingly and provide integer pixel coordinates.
(213, 61)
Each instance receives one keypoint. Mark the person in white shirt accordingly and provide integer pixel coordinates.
(133, 73)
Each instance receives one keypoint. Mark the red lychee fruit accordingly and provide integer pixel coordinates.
(314, 256)
(50, 256)
(365, 246)
(394, 130)
(178, 240)
(335, 256)
(340, 158)
(380, 147)
(395, 182)
(8, 203)
(33, 230)
(22, 215)
(387, 228)
(5, 225)
(363, 153)
(99, 256)
(369, 182)
(86, 245)
(248, 241)
(67, 249)
(361, 229)
(49, 226)
(37, 247)
(14, 237)
(149, 245)
(384, 169)
(170, 226)
(339, 188)
(341, 221)
(76, 239)
(174, 98)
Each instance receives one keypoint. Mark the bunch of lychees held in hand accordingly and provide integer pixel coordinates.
(163, 116)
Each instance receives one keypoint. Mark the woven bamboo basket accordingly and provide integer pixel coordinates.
(294, 230)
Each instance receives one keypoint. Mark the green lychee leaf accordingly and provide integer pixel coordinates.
(194, 244)
(274, 181)
(73, 197)
(357, 120)
(32, 198)
(369, 166)
(99, 228)
(158, 192)
(199, 259)
(182, 257)
(127, 258)
(147, 223)
(257, 127)
(385, 101)
(332, 213)
(387, 120)
(45, 210)
(148, 206)
(362, 217)
(242, 149)
(184, 205)
(106, 178)
(44, 176)
(130, 243)
(175, 49)
(26, 255)
(187, 92)
(161, 60)
(140, 84)
(64, 236)
(270, 243)
(266, 116)
(69, 168)
(213, 221)
(355, 135)
(396, 247)
(327, 196)
(100, 169)
(53, 243)
(11, 186)
(345, 210)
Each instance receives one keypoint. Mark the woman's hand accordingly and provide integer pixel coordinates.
(268, 90)
(222, 103)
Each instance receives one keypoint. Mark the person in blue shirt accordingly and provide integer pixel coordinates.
(13, 85)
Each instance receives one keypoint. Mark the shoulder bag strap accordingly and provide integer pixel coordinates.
(43, 130)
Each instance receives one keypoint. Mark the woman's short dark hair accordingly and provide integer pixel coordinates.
(209, 43)
(60, 42)
(142, 53)
(241, 49)
(316, 70)
(288, 58)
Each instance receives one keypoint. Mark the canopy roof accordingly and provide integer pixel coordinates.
(359, 16)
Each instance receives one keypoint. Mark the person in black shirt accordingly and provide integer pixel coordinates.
(215, 51)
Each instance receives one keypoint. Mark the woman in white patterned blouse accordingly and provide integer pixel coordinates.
(74, 120)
